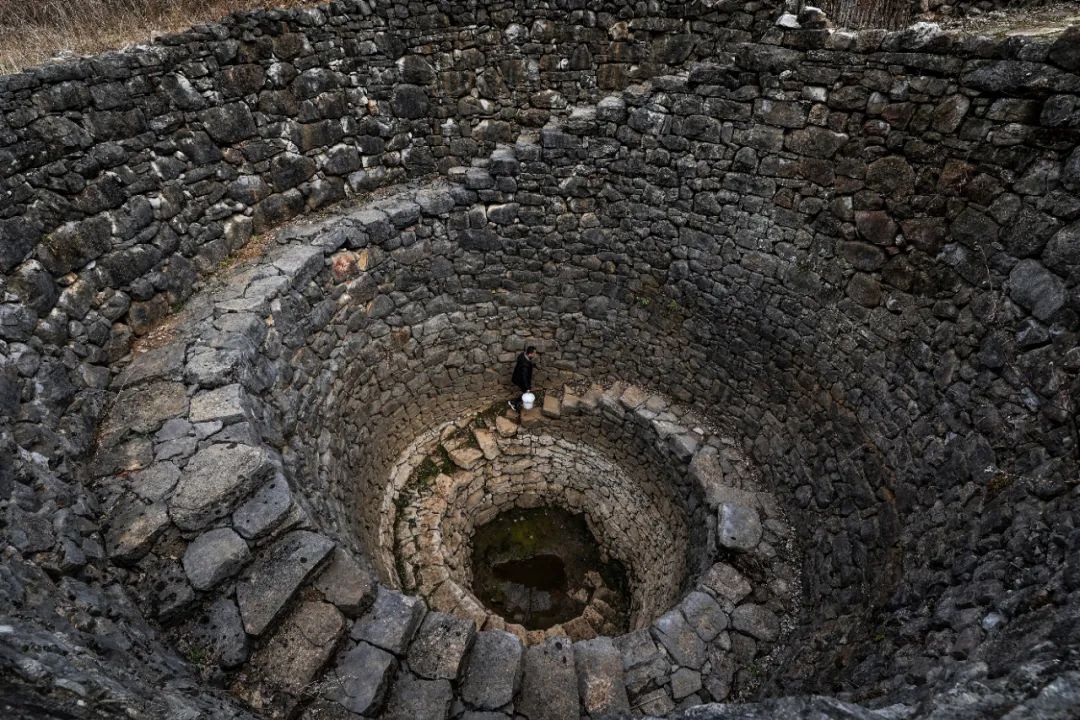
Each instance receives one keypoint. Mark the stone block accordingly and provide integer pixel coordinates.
(549, 682)
(756, 621)
(214, 556)
(506, 427)
(552, 407)
(493, 673)
(265, 511)
(300, 648)
(704, 615)
(391, 621)
(213, 480)
(221, 404)
(599, 668)
(348, 583)
(275, 576)
(681, 641)
(738, 527)
(440, 645)
(221, 633)
(360, 679)
(726, 583)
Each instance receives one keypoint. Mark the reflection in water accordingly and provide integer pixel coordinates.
(541, 567)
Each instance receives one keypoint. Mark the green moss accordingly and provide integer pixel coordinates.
(998, 483)
(196, 654)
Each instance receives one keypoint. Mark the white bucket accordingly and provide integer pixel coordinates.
(528, 400)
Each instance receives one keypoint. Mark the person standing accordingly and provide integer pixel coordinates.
(523, 372)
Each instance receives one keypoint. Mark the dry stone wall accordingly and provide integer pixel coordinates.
(857, 252)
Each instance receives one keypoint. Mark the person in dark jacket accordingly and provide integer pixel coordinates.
(523, 371)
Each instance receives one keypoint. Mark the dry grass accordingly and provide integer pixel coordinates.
(33, 31)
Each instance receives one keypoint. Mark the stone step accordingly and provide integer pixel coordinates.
(493, 672)
(549, 682)
(600, 681)
(439, 647)
(272, 580)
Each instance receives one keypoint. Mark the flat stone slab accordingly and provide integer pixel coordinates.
(214, 556)
(531, 417)
(738, 527)
(757, 621)
(222, 634)
(506, 427)
(704, 615)
(552, 407)
(440, 645)
(221, 404)
(599, 669)
(361, 678)
(413, 698)
(142, 410)
(726, 582)
(549, 682)
(466, 458)
(347, 583)
(276, 575)
(265, 510)
(301, 647)
(391, 621)
(213, 480)
(684, 682)
(493, 673)
(486, 440)
(134, 530)
(680, 640)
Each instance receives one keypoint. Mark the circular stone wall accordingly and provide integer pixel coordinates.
(826, 282)
(605, 454)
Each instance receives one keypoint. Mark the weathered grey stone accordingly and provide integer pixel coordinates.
(214, 556)
(1065, 52)
(143, 409)
(680, 639)
(704, 615)
(1063, 249)
(31, 532)
(493, 670)
(300, 647)
(391, 621)
(360, 679)
(221, 632)
(221, 404)
(726, 583)
(656, 703)
(440, 645)
(549, 683)
(1033, 287)
(413, 698)
(277, 573)
(684, 682)
(265, 510)
(133, 531)
(348, 583)
(865, 290)
(229, 124)
(738, 527)
(409, 101)
(213, 480)
(757, 621)
(599, 668)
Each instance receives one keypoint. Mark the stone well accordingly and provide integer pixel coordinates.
(808, 310)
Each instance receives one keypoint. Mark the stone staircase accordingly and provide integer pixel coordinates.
(402, 662)
(226, 555)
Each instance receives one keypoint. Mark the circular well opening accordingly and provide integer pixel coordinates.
(539, 567)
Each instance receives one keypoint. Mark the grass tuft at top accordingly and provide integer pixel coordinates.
(33, 31)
